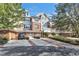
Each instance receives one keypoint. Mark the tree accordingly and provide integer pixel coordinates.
(10, 14)
(68, 17)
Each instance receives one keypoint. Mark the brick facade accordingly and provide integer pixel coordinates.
(13, 35)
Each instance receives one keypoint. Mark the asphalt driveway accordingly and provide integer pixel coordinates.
(30, 42)
(38, 47)
(39, 42)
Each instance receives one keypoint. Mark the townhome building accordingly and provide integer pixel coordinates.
(29, 26)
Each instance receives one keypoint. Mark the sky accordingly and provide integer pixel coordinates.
(35, 8)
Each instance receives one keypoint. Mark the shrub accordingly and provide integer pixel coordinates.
(45, 34)
(53, 33)
(3, 41)
(65, 39)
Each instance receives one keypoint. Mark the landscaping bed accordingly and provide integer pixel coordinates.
(70, 40)
(3, 41)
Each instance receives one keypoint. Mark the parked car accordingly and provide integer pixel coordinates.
(21, 36)
(37, 36)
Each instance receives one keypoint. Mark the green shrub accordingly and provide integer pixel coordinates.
(45, 34)
(65, 39)
(3, 41)
(60, 38)
(53, 33)
(77, 41)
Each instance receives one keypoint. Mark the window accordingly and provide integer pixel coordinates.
(27, 24)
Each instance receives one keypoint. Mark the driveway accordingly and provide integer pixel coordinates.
(31, 42)
(39, 42)
(38, 47)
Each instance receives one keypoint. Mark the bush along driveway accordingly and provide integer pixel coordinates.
(70, 40)
(3, 41)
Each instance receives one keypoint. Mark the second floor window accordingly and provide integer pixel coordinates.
(27, 24)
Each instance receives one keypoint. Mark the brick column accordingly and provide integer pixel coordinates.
(40, 25)
(32, 23)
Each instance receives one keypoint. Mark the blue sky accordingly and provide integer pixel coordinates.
(35, 8)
